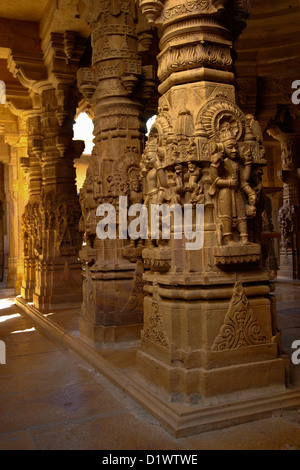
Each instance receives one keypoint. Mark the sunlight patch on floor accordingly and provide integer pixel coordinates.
(6, 303)
(4, 318)
(23, 331)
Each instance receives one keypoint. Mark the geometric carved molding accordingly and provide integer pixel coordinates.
(235, 255)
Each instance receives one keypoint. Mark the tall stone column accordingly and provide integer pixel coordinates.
(289, 213)
(5, 157)
(116, 85)
(31, 228)
(16, 194)
(51, 219)
(12, 196)
(209, 320)
(58, 276)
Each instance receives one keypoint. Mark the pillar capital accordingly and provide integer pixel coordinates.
(196, 38)
(163, 12)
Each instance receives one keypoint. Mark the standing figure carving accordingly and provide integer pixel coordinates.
(154, 175)
(235, 199)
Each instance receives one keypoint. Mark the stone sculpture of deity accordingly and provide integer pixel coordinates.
(155, 180)
(234, 198)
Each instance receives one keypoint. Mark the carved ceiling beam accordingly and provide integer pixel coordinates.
(55, 67)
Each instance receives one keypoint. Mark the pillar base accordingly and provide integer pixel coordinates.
(212, 414)
(221, 341)
(109, 336)
(289, 264)
(27, 293)
(58, 283)
(12, 273)
(111, 312)
(191, 386)
(176, 417)
(54, 302)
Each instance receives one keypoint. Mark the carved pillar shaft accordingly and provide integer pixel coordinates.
(112, 292)
(289, 214)
(209, 325)
(12, 276)
(50, 76)
(16, 195)
(58, 277)
(31, 229)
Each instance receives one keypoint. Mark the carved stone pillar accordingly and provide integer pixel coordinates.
(5, 157)
(31, 228)
(289, 214)
(58, 241)
(51, 218)
(12, 196)
(209, 321)
(16, 195)
(116, 85)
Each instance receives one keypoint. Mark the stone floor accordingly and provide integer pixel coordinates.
(52, 399)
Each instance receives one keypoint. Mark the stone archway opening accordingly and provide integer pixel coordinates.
(149, 123)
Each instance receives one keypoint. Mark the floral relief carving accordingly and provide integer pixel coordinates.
(194, 55)
(201, 6)
(135, 301)
(155, 330)
(32, 230)
(240, 329)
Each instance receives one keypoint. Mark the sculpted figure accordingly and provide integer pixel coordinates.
(135, 197)
(155, 179)
(178, 180)
(135, 191)
(154, 174)
(230, 188)
(195, 186)
(255, 127)
(64, 234)
(88, 207)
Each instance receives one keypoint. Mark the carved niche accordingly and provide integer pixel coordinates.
(156, 330)
(172, 174)
(105, 182)
(236, 156)
(32, 230)
(179, 151)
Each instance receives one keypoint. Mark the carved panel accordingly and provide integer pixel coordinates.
(241, 329)
(155, 329)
